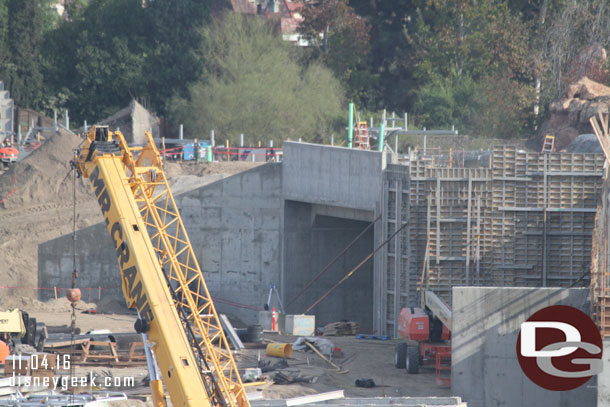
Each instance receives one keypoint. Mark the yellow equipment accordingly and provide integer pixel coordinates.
(16, 324)
(160, 273)
(548, 145)
(11, 322)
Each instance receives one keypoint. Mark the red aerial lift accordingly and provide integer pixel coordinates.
(427, 333)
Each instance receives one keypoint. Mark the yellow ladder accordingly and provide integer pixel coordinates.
(362, 136)
(549, 144)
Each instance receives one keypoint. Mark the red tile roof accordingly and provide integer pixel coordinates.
(244, 6)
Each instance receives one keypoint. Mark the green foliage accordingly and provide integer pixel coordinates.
(340, 39)
(175, 58)
(20, 68)
(448, 100)
(112, 51)
(253, 85)
(97, 59)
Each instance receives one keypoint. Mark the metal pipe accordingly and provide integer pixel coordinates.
(381, 140)
(181, 132)
(350, 133)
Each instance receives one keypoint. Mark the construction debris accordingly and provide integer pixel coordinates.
(323, 345)
(331, 395)
(341, 328)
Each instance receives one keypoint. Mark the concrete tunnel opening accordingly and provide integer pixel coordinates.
(312, 241)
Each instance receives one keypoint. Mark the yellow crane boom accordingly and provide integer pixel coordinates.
(160, 273)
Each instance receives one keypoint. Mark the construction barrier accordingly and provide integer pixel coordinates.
(223, 154)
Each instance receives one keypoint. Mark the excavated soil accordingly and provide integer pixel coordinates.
(37, 201)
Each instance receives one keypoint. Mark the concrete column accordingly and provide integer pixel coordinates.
(603, 379)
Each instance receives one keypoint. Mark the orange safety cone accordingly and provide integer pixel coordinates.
(273, 315)
(4, 352)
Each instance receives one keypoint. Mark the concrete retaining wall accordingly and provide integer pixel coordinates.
(233, 225)
(485, 371)
(335, 176)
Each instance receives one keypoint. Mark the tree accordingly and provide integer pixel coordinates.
(23, 38)
(175, 60)
(95, 62)
(253, 85)
(575, 31)
(112, 51)
(340, 39)
(483, 44)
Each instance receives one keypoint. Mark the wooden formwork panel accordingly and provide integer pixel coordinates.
(489, 226)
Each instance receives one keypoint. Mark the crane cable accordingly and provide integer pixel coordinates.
(74, 272)
(337, 257)
(348, 275)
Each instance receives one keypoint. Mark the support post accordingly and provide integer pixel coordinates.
(468, 234)
(544, 221)
(208, 152)
(438, 219)
(212, 141)
(181, 132)
(381, 135)
(350, 132)
(241, 139)
(67, 120)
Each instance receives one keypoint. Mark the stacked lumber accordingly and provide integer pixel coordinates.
(341, 328)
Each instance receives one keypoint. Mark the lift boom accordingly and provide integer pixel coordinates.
(159, 271)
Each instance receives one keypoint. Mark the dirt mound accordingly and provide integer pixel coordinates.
(42, 177)
(112, 306)
(32, 305)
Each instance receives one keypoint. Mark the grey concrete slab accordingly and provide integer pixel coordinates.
(603, 379)
(329, 175)
(485, 371)
(234, 228)
(374, 401)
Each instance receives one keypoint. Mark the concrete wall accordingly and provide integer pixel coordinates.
(133, 121)
(233, 225)
(311, 242)
(603, 379)
(6, 112)
(484, 367)
(335, 176)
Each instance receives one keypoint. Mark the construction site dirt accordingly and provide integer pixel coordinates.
(363, 359)
(40, 203)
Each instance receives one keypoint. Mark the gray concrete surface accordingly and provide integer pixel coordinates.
(485, 371)
(375, 401)
(603, 379)
(311, 242)
(7, 112)
(278, 223)
(335, 176)
(233, 225)
(133, 121)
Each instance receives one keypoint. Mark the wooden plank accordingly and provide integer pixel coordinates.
(312, 398)
(64, 344)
